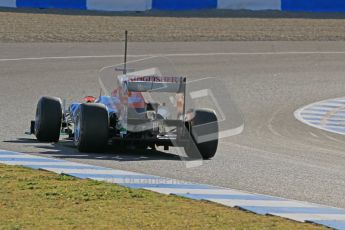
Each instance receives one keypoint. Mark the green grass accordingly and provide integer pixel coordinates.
(35, 199)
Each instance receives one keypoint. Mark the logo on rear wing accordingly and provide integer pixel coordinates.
(154, 83)
(154, 79)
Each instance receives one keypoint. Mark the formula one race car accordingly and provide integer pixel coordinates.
(130, 116)
(140, 108)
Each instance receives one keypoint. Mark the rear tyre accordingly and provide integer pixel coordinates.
(48, 119)
(204, 131)
(91, 131)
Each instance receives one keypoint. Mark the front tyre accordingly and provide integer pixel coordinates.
(91, 129)
(204, 132)
(48, 119)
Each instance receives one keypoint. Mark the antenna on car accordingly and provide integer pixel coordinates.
(125, 61)
(124, 70)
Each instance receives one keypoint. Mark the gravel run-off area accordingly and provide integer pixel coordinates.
(41, 25)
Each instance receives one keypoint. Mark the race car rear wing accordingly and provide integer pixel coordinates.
(152, 83)
(156, 84)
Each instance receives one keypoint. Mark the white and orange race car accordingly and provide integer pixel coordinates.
(142, 109)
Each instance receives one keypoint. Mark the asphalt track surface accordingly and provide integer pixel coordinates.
(275, 155)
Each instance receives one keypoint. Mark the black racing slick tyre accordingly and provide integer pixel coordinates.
(48, 119)
(91, 131)
(204, 131)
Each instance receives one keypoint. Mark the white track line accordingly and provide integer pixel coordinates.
(197, 191)
(169, 55)
(24, 156)
(40, 163)
(92, 171)
(314, 217)
(67, 57)
(151, 181)
(263, 203)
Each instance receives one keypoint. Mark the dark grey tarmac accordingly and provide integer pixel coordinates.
(275, 155)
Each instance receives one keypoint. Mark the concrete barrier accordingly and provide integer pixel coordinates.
(143, 5)
(314, 5)
(250, 4)
(52, 4)
(8, 3)
(183, 4)
(119, 5)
